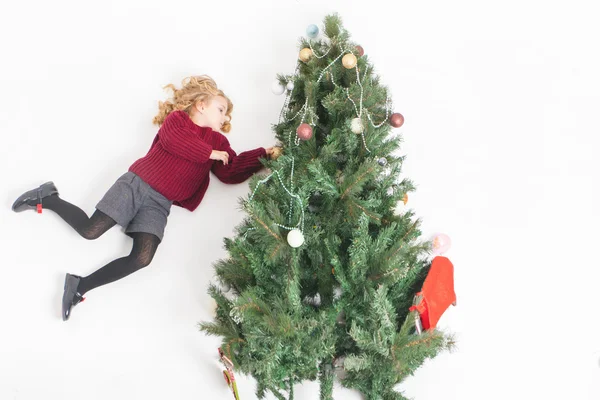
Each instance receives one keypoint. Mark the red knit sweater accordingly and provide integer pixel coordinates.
(178, 163)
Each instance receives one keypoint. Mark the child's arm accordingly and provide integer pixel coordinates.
(179, 138)
(240, 166)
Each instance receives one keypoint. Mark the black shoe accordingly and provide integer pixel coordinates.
(70, 297)
(32, 199)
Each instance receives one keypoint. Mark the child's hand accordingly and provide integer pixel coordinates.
(220, 156)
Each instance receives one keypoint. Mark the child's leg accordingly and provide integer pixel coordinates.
(89, 228)
(144, 247)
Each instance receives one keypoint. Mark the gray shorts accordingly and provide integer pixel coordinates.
(134, 205)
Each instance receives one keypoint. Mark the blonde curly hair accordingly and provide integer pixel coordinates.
(194, 89)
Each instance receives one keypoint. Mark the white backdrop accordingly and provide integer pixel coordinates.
(501, 126)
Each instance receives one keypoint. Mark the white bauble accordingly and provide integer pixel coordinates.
(400, 208)
(357, 126)
(295, 238)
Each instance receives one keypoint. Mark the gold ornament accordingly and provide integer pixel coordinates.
(276, 153)
(305, 54)
(349, 61)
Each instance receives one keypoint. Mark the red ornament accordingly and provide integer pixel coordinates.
(304, 131)
(438, 292)
(361, 51)
(396, 120)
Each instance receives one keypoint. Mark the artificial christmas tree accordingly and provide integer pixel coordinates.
(323, 270)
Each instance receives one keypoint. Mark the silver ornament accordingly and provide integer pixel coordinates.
(312, 31)
(382, 161)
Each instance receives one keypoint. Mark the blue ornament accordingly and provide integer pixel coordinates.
(312, 31)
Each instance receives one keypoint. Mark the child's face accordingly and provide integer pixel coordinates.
(214, 112)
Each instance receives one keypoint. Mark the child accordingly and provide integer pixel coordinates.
(174, 171)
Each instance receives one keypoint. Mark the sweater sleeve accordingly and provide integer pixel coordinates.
(240, 166)
(181, 139)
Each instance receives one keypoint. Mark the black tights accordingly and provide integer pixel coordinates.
(144, 244)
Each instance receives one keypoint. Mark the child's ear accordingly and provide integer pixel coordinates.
(200, 106)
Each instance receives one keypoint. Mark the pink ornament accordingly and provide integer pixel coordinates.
(396, 120)
(304, 131)
(441, 244)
